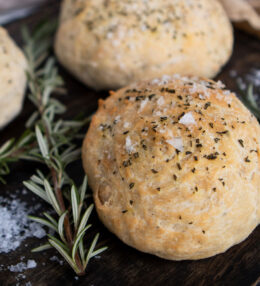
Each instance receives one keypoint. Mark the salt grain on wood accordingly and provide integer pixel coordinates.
(21, 266)
(15, 226)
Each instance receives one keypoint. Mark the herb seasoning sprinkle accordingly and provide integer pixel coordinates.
(131, 185)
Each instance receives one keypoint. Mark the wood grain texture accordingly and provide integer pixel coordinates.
(120, 264)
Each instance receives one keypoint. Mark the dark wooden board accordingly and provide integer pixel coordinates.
(120, 264)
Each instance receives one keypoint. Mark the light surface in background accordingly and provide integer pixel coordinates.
(12, 10)
(11, 4)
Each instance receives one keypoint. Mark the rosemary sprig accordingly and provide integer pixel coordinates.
(52, 141)
(247, 97)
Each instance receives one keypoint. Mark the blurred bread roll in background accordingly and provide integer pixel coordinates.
(109, 43)
(245, 14)
(12, 78)
(14, 4)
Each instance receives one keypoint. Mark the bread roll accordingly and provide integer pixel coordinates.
(108, 44)
(174, 167)
(244, 13)
(12, 78)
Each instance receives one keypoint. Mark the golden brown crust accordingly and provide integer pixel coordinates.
(12, 78)
(174, 167)
(109, 44)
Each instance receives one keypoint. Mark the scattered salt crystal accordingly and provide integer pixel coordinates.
(118, 56)
(162, 130)
(143, 104)
(130, 32)
(31, 264)
(176, 142)
(131, 46)
(219, 96)
(116, 43)
(157, 113)
(143, 27)
(15, 226)
(226, 92)
(108, 154)
(155, 81)
(126, 124)
(254, 77)
(128, 145)
(227, 97)
(163, 80)
(56, 259)
(166, 79)
(39, 233)
(117, 118)
(18, 267)
(121, 33)
(28, 284)
(187, 119)
(160, 101)
(21, 266)
(199, 87)
(110, 35)
(20, 276)
(193, 89)
(122, 66)
(220, 84)
(242, 85)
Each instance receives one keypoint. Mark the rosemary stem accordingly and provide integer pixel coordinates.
(20, 151)
(58, 191)
(67, 227)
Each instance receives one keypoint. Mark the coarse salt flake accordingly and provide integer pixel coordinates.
(15, 226)
(128, 145)
(126, 124)
(143, 104)
(160, 101)
(187, 119)
(176, 142)
(21, 266)
(117, 118)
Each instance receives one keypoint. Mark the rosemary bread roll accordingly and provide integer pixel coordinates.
(174, 167)
(109, 44)
(12, 78)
